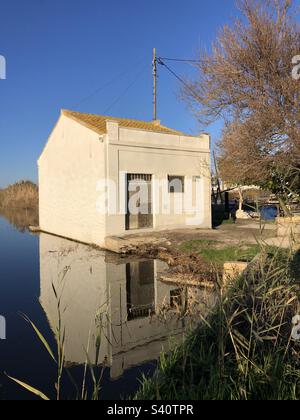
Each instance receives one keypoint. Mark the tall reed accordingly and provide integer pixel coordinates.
(94, 368)
(244, 350)
(22, 195)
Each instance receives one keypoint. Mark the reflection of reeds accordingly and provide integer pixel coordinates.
(188, 304)
(22, 195)
(20, 218)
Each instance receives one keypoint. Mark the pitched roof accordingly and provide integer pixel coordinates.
(98, 123)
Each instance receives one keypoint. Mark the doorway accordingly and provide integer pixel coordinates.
(139, 213)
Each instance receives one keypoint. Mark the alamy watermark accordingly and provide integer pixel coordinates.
(2, 328)
(296, 67)
(2, 67)
(176, 196)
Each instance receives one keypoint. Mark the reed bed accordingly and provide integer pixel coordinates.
(22, 195)
(244, 350)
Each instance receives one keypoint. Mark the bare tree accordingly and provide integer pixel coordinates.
(247, 81)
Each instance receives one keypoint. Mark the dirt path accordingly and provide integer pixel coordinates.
(168, 247)
(234, 234)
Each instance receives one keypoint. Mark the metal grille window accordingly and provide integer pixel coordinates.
(176, 184)
(176, 298)
(143, 217)
(139, 177)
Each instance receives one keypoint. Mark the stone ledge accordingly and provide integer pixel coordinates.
(288, 226)
(232, 270)
(123, 245)
(34, 229)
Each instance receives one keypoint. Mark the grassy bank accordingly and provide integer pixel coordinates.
(244, 349)
(22, 195)
(218, 253)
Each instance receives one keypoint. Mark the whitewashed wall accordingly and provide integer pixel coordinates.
(76, 158)
(69, 168)
(160, 155)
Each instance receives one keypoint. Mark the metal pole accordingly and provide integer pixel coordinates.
(154, 84)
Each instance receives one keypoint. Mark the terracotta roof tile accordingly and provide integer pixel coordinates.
(98, 123)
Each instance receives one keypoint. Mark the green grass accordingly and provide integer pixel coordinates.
(197, 245)
(228, 222)
(244, 350)
(232, 253)
(217, 253)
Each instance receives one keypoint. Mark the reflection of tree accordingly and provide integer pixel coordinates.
(20, 218)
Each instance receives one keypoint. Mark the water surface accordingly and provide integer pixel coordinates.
(116, 311)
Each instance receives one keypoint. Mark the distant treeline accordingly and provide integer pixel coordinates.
(22, 195)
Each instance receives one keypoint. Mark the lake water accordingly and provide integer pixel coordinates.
(115, 310)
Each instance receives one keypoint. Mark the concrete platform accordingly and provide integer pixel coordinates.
(125, 245)
(237, 234)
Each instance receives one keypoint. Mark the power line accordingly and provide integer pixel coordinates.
(126, 90)
(186, 85)
(159, 60)
(180, 60)
(109, 83)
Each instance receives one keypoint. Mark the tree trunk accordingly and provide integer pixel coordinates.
(286, 211)
(241, 201)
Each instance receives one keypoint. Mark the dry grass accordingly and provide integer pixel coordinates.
(244, 350)
(22, 195)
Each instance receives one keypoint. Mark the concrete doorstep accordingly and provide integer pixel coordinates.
(123, 245)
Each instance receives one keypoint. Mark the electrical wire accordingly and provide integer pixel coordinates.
(109, 83)
(160, 61)
(126, 90)
(180, 60)
(186, 85)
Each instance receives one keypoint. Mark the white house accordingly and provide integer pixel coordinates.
(102, 176)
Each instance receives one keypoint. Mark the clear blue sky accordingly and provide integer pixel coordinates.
(59, 52)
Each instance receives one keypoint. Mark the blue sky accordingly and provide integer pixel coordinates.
(61, 52)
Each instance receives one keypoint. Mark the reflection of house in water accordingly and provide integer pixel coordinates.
(140, 289)
(105, 296)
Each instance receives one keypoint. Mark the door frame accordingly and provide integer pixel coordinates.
(127, 215)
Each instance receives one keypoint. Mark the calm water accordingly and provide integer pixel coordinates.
(118, 303)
